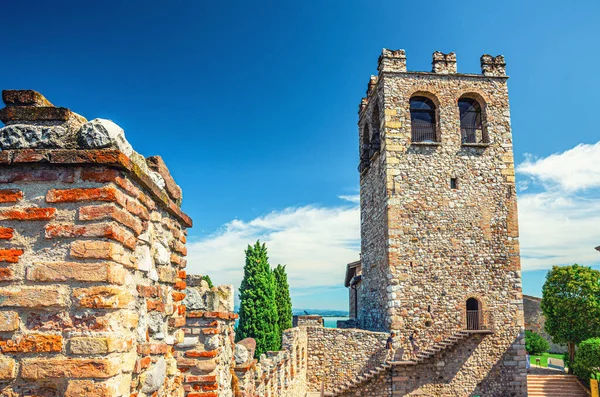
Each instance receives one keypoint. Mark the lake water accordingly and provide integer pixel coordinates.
(331, 322)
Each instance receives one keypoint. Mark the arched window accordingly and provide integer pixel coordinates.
(471, 126)
(375, 139)
(365, 147)
(422, 119)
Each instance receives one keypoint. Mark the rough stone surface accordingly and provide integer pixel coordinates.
(242, 355)
(101, 134)
(428, 246)
(27, 136)
(155, 377)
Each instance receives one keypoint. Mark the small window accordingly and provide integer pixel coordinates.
(471, 126)
(453, 183)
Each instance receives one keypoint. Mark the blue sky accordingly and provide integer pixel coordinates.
(253, 107)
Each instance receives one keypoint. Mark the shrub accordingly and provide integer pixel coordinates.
(587, 358)
(535, 344)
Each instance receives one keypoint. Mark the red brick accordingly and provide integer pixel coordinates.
(45, 368)
(130, 188)
(178, 296)
(142, 364)
(29, 156)
(39, 175)
(33, 296)
(32, 343)
(181, 274)
(147, 291)
(152, 348)
(180, 285)
(6, 274)
(10, 195)
(75, 271)
(181, 310)
(10, 255)
(203, 394)
(6, 233)
(90, 388)
(102, 297)
(109, 211)
(155, 305)
(105, 230)
(101, 250)
(211, 331)
(201, 378)
(107, 193)
(27, 214)
(202, 354)
(99, 174)
(176, 322)
(177, 246)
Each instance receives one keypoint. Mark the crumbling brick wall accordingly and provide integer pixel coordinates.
(92, 253)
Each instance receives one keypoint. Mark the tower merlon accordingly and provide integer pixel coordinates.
(443, 63)
(493, 66)
(392, 61)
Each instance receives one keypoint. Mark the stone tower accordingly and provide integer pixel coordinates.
(439, 227)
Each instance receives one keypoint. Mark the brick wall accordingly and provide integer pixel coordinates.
(91, 261)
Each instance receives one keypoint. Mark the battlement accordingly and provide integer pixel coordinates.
(394, 61)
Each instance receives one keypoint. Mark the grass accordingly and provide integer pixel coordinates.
(544, 358)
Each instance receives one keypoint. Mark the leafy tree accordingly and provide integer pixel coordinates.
(571, 305)
(282, 298)
(535, 344)
(208, 280)
(258, 310)
(587, 359)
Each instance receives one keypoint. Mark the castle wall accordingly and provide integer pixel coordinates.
(444, 245)
(372, 305)
(281, 374)
(467, 369)
(340, 355)
(91, 304)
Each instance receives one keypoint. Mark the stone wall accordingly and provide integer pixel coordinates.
(205, 355)
(429, 245)
(91, 259)
(281, 374)
(535, 320)
(340, 355)
(453, 372)
(308, 320)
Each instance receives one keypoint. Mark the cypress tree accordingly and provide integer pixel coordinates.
(258, 310)
(282, 298)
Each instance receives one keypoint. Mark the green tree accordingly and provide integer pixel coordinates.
(535, 344)
(571, 305)
(208, 280)
(587, 359)
(258, 310)
(282, 298)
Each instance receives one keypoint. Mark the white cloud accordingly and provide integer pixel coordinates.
(569, 171)
(559, 215)
(560, 223)
(315, 243)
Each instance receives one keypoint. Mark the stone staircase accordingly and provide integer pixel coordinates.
(421, 356)
(554, 386)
